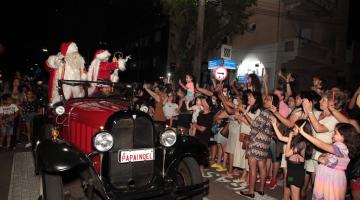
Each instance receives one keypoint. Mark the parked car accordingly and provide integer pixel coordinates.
(100, 148)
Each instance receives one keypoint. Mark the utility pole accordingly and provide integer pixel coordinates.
(199, 40)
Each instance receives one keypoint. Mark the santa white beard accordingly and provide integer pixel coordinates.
(75, 61)
(74, 70)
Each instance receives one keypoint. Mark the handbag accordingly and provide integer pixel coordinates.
(245, 139)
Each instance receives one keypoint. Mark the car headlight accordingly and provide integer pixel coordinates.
(168, 138)
(59, 110)
(103, 141)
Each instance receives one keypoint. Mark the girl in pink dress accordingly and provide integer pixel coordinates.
(330, 180)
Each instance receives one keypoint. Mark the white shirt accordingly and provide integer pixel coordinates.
(170, 109)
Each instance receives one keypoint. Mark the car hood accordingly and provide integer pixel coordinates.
(94, 113)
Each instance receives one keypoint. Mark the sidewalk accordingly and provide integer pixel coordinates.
(6, 166)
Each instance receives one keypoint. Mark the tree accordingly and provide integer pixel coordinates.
(223, 19)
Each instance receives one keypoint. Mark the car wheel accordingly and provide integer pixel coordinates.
(51, 187)
(188, 173)
(68, 185)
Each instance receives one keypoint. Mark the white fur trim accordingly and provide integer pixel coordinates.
(104, 56)
(54, 61)
(93, 70)
(121, 64)
(72, 48)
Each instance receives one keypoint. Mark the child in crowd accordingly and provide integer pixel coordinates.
(195, 113)
(170, 109)
(296, 151)
(189, 87)
(8, 112)
(330, 180)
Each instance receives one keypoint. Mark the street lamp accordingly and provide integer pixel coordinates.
(45, 50)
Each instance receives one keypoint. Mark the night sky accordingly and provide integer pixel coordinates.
(28, 27)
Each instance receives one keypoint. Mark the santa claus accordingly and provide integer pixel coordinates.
(102, 70)
(68, 64)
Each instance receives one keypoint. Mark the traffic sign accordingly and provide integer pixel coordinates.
(220, 73)
(229, 64)
(212, 64)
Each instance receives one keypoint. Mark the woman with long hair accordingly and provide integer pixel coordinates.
(330, 181)
(253, 107)
(258, 149)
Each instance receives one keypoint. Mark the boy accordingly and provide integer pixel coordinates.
(8, 112)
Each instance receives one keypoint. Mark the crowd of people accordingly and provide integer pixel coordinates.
(308, 138)
(21, 99)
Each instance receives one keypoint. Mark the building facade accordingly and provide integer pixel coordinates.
(304, 37)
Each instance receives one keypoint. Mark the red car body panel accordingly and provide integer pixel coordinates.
(84, 118)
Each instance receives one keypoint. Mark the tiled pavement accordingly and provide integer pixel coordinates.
(24, 185)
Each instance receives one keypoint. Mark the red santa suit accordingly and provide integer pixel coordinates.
(101, 69)
(68, 64)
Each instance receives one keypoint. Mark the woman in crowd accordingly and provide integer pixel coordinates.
(246, 117)
(258, 149)
(323, 123)
(203, 126)
(253, 83)
(159, 101)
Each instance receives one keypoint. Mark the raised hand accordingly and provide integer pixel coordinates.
(301, 128)
(331, 106)
(272, 108)
(307, 105)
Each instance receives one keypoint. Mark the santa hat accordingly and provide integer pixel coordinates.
(102, 54)
(68, 47)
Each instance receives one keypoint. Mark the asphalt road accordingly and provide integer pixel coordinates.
(19, 183)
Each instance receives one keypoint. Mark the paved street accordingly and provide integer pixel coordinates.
(19, 182)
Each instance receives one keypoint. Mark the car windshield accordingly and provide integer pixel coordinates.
(94, 89)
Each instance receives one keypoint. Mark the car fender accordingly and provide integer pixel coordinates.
(55, 155)
(185, 146)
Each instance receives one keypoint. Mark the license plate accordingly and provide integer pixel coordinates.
(136, 155)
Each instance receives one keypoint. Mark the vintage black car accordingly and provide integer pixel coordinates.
(100, 148)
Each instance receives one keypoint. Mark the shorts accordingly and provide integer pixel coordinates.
(311, 165)
(220, 139)
(296, 174)
(189, 97)
(7, 130)
(272, 152)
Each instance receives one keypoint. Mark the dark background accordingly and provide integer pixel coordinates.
(28, 27)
